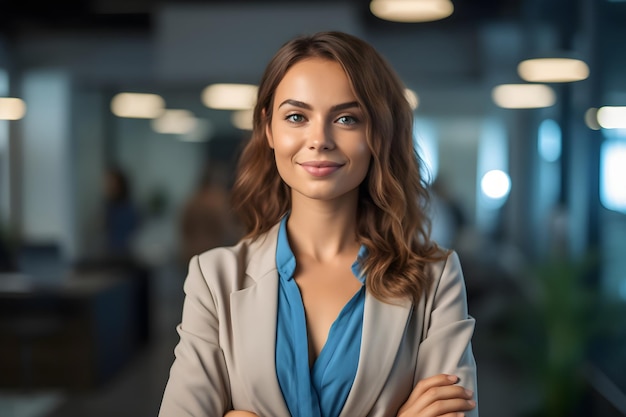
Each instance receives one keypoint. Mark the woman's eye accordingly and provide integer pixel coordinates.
(295, 118)
(347, 120)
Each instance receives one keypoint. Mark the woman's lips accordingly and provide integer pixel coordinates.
(320, 168)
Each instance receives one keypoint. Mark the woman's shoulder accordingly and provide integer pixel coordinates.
(222, 257)
(446, 274)
(445, 261)
(245, 248)
(231, 265)
(224, 252)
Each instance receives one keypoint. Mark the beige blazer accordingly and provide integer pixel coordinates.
(226, 355)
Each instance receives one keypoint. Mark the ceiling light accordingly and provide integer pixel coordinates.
(612, 117)
(411, 10)
(176, 122)
(202, 132)
(137, 105)
(553, 70)
(230, 96)
(12, 108)
(411, 97)
(523, 96)
(495, 184)
(591, 119)
(242, 119)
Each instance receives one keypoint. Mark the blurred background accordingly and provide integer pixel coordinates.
(116, 160)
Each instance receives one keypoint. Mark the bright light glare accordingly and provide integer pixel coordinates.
(495, 184)
(613, 175)
(411, 10)
(553, 70)
(230, 96)
(137, 105)
(12, 108)
(612, 117)
(549, 143)
(523, 96)
(412, 98)
(174, 122)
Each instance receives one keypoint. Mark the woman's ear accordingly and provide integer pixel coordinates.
(268, 130)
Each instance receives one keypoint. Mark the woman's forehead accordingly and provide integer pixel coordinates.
(313, 81)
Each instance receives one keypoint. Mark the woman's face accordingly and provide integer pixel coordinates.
(318, 132)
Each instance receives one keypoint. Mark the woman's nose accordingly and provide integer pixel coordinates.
(320, 137)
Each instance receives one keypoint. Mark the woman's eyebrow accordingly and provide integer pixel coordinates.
(337, 107)
(345, 106)
(296, 103)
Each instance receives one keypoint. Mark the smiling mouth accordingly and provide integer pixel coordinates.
(320, 168)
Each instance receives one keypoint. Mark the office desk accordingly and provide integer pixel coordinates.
(73, 333)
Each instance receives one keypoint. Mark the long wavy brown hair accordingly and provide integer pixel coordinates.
(392, 221)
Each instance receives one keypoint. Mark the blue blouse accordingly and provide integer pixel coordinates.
(320, 390)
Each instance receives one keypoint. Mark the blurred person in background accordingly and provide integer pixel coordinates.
(121, 216)
(337, 302)
(206, 219)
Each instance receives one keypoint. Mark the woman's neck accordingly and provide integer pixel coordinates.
(323, 230)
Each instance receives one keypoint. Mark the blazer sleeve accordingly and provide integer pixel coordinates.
(198, 384)
(446, 346)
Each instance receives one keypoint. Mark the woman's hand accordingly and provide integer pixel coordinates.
(237, 413)
(438, 396)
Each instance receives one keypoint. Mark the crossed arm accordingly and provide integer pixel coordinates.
(436, 396)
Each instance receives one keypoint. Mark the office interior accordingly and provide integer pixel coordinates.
(532, 197)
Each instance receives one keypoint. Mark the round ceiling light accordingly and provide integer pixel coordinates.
(612, 117)
(523, 96)
(174, 121)
(137, 105)
(243, 119)
(12, 108)
(411, 10)
(230, 96)
(553, 70)
(591, 118)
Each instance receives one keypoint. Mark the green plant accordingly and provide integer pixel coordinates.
(554, 327)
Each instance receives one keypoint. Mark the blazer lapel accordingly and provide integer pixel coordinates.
(383, 328)
(254, 312)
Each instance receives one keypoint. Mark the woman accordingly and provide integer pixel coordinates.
(336, 303)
